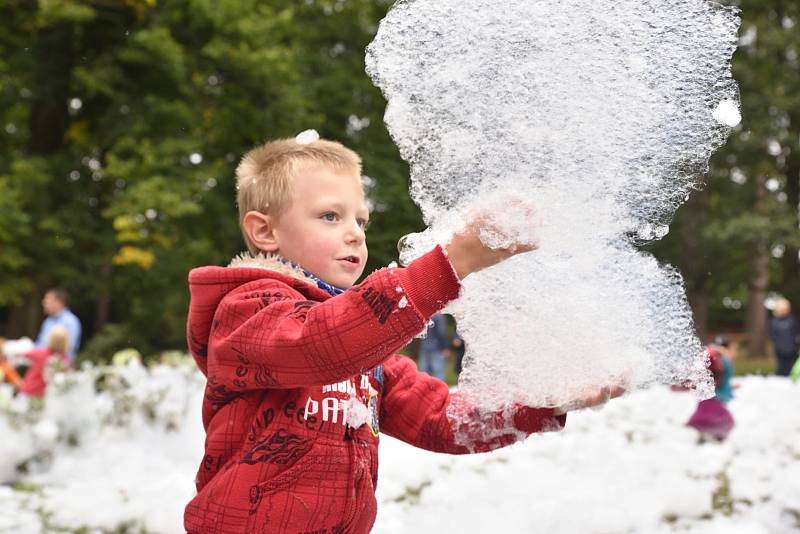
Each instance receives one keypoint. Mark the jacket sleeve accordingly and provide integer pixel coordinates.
(420, 410)
(278, 339)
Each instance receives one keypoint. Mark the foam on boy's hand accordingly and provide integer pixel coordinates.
(595, 110)
(307, 137)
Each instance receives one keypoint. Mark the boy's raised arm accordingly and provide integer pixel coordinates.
(267, 334)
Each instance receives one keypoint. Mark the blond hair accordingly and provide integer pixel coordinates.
(264, 176)
(58, 340)
(782, 308)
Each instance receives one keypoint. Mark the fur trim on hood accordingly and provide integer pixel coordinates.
(269, 262)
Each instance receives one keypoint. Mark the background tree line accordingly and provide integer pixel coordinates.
(121, 123)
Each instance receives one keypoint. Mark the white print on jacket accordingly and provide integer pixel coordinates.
(361, 408)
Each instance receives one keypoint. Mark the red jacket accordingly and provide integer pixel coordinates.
(299, 383)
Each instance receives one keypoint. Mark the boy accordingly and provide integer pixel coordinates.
(300, 362)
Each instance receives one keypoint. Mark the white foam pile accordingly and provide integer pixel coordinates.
(580, 125)
(631, 467)
(109, 447)
(118, 448)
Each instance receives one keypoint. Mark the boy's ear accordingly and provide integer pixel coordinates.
(260, 229)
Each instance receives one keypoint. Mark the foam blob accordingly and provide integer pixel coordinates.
(727, 112)
(307, 137)
(580, 126)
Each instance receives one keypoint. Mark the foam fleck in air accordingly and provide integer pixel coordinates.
(727, 112)
(307, 137)
(599, 116)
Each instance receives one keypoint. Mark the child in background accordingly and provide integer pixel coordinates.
(724, 387)
(43, 360)
(7, 371)
(301, 364)
(712, 418)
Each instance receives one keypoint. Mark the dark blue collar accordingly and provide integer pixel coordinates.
(322, 284)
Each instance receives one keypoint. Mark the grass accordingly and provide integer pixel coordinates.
(721, 499)
(754, 366)
(413, 493)
(27, 487)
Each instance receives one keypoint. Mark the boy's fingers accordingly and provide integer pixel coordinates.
(617, 391)
(605, 394)
(610, 392)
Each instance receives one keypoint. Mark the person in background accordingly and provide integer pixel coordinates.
(724, 387)
(458, 348)
(783, 333)
(55, 304)
(433, 346)
(44, 360)
(711, 418)
(7, 371)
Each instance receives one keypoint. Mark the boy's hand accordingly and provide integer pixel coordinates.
(469, 254)
(591, 399)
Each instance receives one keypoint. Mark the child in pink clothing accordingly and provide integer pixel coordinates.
(43, 359)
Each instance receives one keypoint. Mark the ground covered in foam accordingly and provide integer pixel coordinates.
(124, 457)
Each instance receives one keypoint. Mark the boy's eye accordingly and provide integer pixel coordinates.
(363, 223)
(330, 216)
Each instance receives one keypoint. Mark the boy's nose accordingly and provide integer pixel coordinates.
(355, 234)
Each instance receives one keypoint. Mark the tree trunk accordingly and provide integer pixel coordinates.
(25, 318)
(695, 260)
(790, 285)
(49, 118)
(759, 281)
(103, 304)
(52, 73)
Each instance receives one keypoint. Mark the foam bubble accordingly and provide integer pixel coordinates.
(307, 137)
(727, 112)
(599, 113)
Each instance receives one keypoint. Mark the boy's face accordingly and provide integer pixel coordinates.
(323, 228)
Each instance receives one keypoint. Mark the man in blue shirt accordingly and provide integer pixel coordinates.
(55, 304)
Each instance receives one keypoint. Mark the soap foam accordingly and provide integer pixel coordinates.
(603, 115)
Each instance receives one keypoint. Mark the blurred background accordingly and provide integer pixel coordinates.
(122, 121)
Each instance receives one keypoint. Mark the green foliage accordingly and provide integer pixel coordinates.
(123, 123)
(113, 338)
(764, 149)
(755, 366)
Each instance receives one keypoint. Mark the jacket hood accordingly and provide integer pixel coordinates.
(209, 285)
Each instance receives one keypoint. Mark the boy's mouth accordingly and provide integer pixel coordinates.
(351, 259)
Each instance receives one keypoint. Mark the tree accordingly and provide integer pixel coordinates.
(751, 238)
(125, 121)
